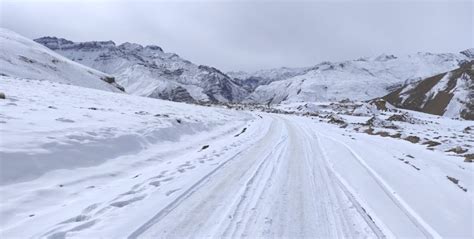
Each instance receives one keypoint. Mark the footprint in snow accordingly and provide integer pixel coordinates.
(78, 218)
(65, 120)
(167, 179)
(127, 202)
(155, 183)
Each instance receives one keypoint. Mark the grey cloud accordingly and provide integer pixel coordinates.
(255, 35)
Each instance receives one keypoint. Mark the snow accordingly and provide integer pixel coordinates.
(59, 128)
(440, 207)
(22, 57)
(356, 80)
(88, 162)
(460, 94)
(148, 70)
(260, 175)
(440, 86)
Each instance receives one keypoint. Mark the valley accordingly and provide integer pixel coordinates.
(100, 140)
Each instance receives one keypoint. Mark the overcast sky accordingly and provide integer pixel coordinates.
(248, 35)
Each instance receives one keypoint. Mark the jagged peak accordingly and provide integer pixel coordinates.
(55, 43)
(154, 48)
(99, 44)
(53, 39)
(385, 57)
(210, 69)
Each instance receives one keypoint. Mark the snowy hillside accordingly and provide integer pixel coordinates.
(22, 57)
(149, 71)
(360, 79)
(64, 132)
(449, 94)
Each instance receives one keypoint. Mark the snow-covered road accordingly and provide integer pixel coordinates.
(271, 180)
(227, 174)
(278, 187)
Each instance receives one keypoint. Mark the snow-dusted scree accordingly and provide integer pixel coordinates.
(79, 158)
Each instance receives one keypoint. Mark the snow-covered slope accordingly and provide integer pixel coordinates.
(149, 71)
(22, 57)
(43, 128)
(360, 79)
(450, 94)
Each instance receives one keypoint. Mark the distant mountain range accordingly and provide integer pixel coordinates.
(360, 79)
(149, 71)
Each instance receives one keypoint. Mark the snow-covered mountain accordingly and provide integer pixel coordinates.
(24, 58)
(360, 79)
(449, 94)
(251, 80)
(149, 71)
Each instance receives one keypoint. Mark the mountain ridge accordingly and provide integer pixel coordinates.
(449, 94)
(329, 81)
(149, 71)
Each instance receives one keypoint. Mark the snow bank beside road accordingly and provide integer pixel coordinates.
(47, 126)
(415, 178)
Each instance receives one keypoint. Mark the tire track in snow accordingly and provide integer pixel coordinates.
(411, 214)
(240, 212)
(182, 197)
(325, 181)
(278, 187)
(350, 195)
